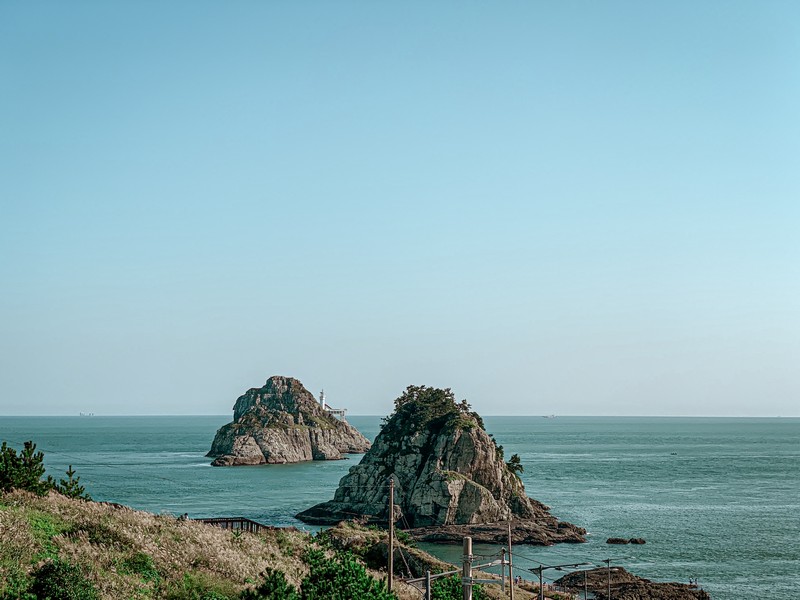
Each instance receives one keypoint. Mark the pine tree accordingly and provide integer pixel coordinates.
(24, 470)
(71, 486)
(515, 465)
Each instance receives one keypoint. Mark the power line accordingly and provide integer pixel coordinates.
(99, 464)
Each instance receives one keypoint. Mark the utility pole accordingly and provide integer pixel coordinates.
(391, 532)
(467, 580)
(608, 567)
(466, 573)
(541, 568)
(503, 569)
(541, 582)
(510, 563)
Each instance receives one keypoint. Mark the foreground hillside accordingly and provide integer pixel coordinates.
(110, 551)
(133, 554)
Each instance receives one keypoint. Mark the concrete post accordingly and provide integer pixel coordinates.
(467, 568)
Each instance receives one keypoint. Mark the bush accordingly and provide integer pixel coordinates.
(274, 587)
(59, 580)
(199, 586)
(141, 564)
(450, 588)
(341, 578)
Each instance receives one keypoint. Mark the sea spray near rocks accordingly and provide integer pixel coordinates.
(283, 423)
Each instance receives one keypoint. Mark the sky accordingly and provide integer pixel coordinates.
(570, 208)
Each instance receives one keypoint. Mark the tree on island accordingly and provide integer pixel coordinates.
(515, 465)
(423, 407)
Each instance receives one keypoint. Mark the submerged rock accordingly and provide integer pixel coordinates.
(618, 540)
(282, 422)
(450, 478)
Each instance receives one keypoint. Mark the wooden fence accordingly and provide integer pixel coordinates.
(238, 524)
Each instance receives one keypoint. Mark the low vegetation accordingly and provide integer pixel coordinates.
(25, 471)
(69, 548)
(422, 407)
(57, 547)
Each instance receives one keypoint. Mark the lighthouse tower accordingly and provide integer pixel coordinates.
(339, 413)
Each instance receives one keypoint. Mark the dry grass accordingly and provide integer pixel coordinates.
(108, 539)
(105, 538)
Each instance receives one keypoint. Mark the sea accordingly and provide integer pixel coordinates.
(716, 499)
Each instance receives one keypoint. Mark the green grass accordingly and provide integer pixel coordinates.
(200, 586)
(16, 584)
(45, 527)
(141, 564)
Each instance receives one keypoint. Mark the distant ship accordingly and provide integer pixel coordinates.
(548, 416)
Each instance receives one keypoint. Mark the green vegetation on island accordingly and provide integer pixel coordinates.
(421, 408)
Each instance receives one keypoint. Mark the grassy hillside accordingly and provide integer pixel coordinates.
(109, 551)
(133, 554)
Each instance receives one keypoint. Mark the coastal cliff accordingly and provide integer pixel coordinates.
(449, 475)
(282, 422)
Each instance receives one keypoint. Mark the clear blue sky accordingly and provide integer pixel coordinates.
(551, 207)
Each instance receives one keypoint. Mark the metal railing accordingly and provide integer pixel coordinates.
(238, 524)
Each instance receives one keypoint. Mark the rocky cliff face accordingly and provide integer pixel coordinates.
(282, 422)
(448, 472)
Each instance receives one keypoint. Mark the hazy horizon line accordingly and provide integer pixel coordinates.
(553, 416)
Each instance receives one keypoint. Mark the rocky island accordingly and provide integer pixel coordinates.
(282, 422)
(450, 479)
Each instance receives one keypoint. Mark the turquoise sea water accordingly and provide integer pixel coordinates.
(716, 499)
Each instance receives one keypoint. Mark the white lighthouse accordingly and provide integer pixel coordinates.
(339, 413)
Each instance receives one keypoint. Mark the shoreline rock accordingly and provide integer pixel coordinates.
(533, 533)
(280, 423)
(449, 476)
(627, 586)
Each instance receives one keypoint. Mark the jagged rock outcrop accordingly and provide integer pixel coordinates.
(627, 586)
(449, 476)
(282, 422)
